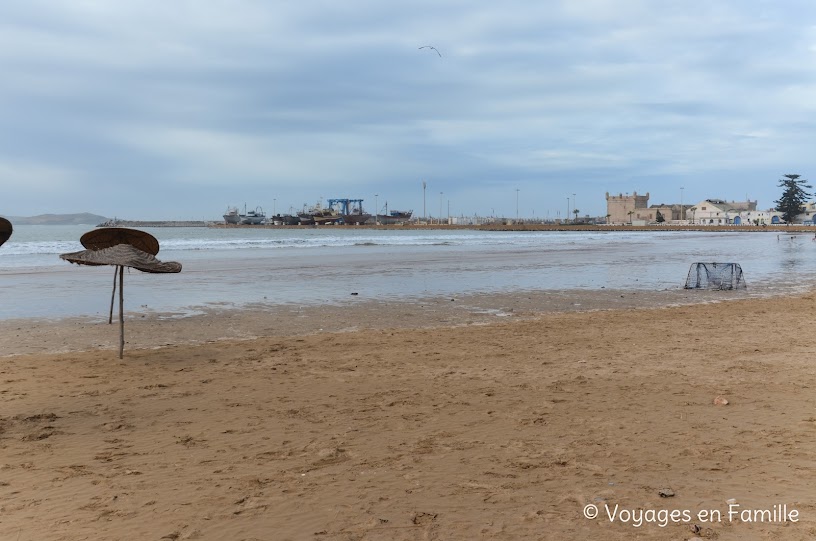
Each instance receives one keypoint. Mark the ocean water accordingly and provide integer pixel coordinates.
(238, 267)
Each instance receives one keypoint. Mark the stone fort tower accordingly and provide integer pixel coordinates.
(618, 206)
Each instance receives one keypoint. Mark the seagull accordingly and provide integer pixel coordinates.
(431, 47)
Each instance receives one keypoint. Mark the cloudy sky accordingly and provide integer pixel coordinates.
(175, 109)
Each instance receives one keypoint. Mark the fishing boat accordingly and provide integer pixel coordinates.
(232, 217)
(253, 217)
(285, 219)
(320, 215)
(394, 217)
(350, 210)
(305, 218)
(356, 218)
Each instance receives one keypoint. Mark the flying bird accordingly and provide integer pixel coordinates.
(431, 47)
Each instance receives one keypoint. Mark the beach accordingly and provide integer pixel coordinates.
(469, 424)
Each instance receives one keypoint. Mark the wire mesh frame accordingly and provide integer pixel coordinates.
(717, 276)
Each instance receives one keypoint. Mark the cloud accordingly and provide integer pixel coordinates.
(212, 158)
(317, 97)
(26, 177)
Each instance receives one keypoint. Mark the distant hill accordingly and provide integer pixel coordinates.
(84, 218)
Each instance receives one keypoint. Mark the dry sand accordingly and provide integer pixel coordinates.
(461, 428)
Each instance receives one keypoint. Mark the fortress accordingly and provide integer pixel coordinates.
(618, 207)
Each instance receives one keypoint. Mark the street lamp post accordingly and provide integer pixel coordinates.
(440, 208)
(423, 200)
(517, 196)
(568, 205)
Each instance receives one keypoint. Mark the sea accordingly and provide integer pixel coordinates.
(232, 268)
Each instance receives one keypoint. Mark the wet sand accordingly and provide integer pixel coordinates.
(487, 418)
(151, 329)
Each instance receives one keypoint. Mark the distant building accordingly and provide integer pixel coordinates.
(634, 209)
(806, 217)
(618, 207)
(668, 212)
(721, 212)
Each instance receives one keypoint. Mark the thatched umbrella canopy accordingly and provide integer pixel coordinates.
(121, 256)
(105, 237)
(5, 230)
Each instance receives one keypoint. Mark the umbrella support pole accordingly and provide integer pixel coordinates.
(113, 295)
(117, 249)
(121, 311)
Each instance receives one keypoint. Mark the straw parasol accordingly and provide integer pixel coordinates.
(5, 230)
(121, 255)
(105, 237)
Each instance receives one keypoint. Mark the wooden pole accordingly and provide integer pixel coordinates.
(121, 311)
(113, 295)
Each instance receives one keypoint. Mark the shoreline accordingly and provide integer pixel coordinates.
(150, 330)
(456, 432)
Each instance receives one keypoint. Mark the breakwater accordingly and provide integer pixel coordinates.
(775, 229)
(156, 223)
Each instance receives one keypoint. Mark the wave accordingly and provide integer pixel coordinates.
(44, 248)
(217, 240)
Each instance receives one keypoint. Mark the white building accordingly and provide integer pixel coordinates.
(774, 217)
(721, 212)
(808, 216)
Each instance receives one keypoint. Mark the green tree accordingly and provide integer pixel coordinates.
(793, 197)
(659, 218)
(575, 211)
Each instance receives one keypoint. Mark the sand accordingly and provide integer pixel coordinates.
(503, 426)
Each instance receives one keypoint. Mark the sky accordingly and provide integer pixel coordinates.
(153, 109)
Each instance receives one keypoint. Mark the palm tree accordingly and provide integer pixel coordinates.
(575, 211)
(630, 216)
(607, 218)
